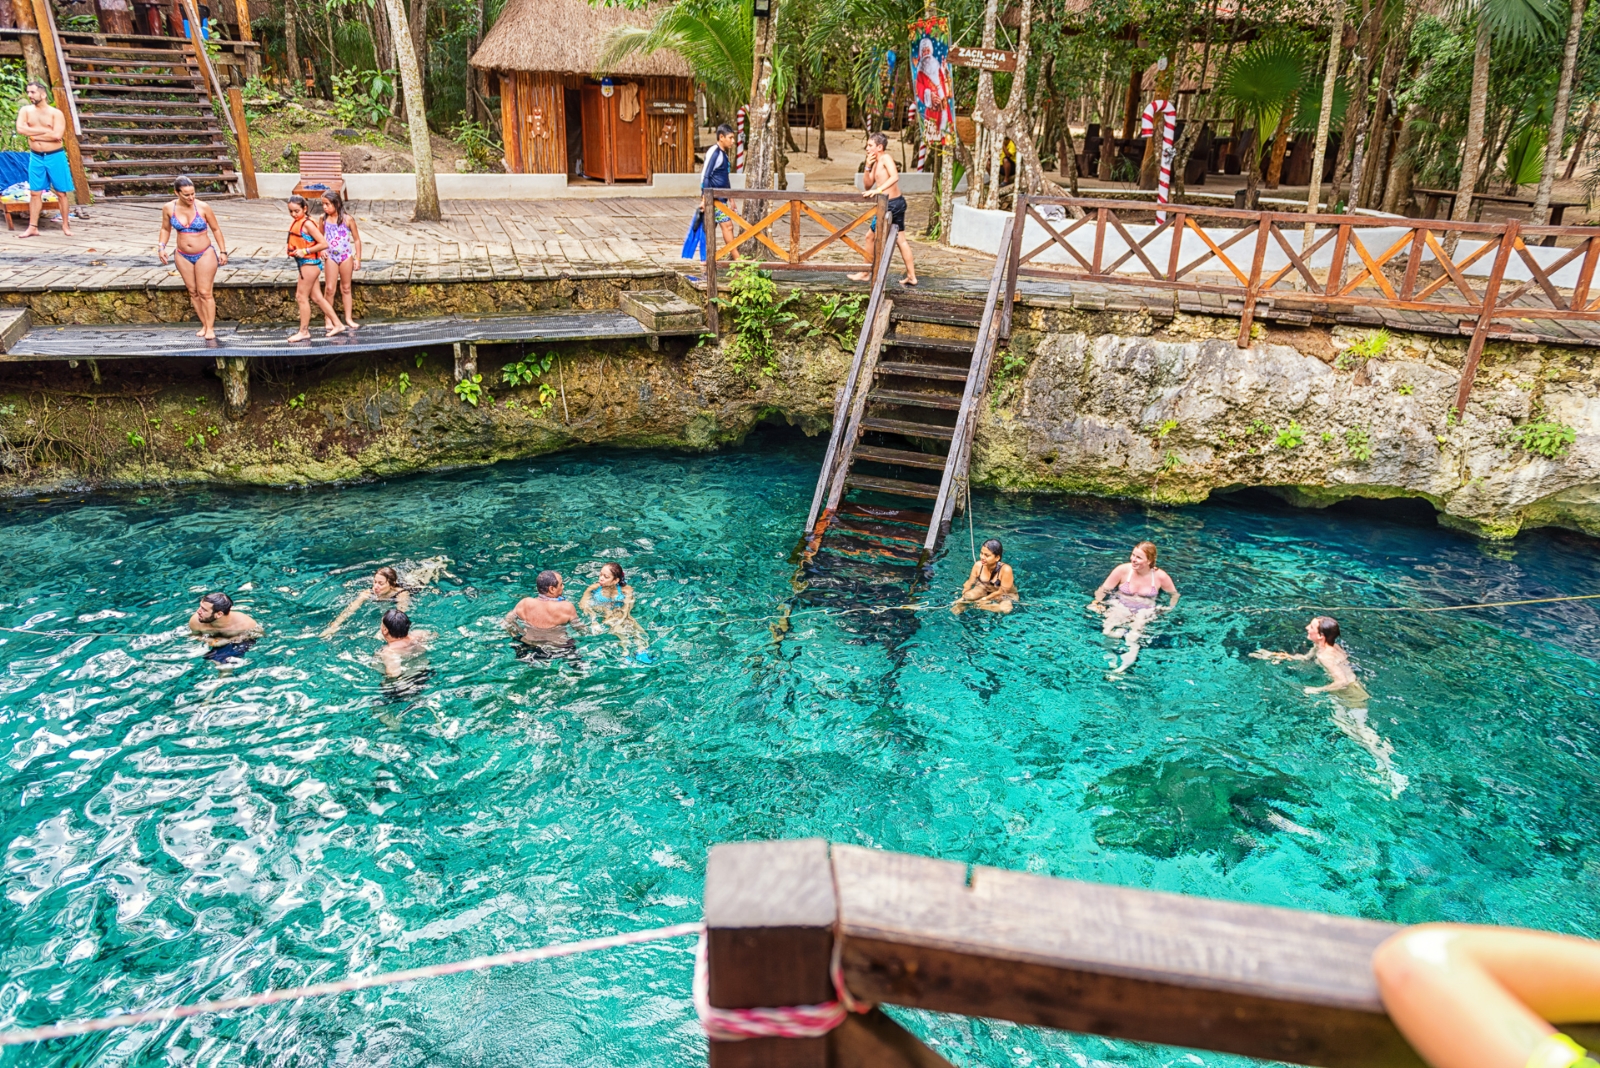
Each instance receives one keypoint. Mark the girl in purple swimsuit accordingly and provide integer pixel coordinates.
(200, 250)
(343, 258)
(1137, 584)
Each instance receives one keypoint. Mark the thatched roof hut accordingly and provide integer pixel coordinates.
(568, 37)
(563, 114)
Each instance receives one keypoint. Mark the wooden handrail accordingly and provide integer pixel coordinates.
(204, 59)
(977, 377)
(794, 205)
(47, 10)
(848, 391)
(1275, 983)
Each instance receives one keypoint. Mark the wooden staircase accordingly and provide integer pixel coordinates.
(146, 113)
(896, 466)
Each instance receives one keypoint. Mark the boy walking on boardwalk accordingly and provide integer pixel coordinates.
(882, 177)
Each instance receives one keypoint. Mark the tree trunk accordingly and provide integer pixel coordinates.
(980, 191)
(822, 132)
(1401, 166)
(427, 209)
(297, 77)
(1280, 144)
(418, 17)
(1577, 146)
(759, 153)
(1355, 120)
(1477, 106)
(1558, 125)
(32, 50)
(1319, 149)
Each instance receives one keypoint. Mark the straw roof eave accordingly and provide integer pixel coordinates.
(568, 37)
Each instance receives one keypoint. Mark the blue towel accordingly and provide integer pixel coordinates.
(13, 168)
(694, 243)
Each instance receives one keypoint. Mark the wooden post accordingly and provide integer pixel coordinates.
(32, 50)
(710, 210)
(794, 231)
(235, 375)
(466, 354)
(252, 57)
(770, 913)
(1508, 241)
(247, 162)
(1013, 255)
(44, 17)
(879, 248)
(1248, 314)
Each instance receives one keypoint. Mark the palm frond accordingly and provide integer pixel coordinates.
(716, 40)
(1262, 80)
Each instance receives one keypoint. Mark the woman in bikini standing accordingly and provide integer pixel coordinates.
(306, 246)
(1137, 584)
(201, 250)
(343, 258)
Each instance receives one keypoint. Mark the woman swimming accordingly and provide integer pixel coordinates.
(611, 600)
(1137, 584)
(385, 587)
(305, 247)
(200, 251)
(343, 258)
(991, 585)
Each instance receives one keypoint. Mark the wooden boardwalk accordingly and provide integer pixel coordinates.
(510, 240)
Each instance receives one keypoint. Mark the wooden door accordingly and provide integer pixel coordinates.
(596, 154)
(629, 158)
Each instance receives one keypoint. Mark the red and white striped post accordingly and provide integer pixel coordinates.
(740, 119)
(922, 143)
(1169, 122)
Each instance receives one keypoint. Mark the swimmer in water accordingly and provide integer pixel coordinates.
(400, 643)
(1350, 697)
(991, 585)
(229, 633)
(385, 587)
(541, 622)
(1138, 584)
(611, 601)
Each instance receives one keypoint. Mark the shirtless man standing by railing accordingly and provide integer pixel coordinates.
(882, 178)
(46, 129)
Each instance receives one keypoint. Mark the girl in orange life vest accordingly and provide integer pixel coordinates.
(306, 246)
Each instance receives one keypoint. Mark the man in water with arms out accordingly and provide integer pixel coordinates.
(399, 643)
(45, 128)
(1349, 696)
(541, 622)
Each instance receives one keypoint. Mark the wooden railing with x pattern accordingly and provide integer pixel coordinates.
(1413, 265)
(810, 234)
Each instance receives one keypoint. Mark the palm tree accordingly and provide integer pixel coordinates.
(716, 39)
(1558, 125)
(427, 207)
(1261, 82)
(1511, 20)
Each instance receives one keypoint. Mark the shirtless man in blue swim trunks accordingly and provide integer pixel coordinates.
(45, 128)
(229, 633)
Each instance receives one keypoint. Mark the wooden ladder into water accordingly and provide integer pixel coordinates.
(896, 466)
(147, 114)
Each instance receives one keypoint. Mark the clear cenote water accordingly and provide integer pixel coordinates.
(174, 831)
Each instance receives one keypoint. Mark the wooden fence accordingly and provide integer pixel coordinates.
(806, 232)
(1413, 265)
(1274, 983)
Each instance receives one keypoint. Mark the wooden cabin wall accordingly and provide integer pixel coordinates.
(533, 114)
(670, 138)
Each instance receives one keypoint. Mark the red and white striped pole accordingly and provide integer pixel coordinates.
(740, 118)
(1169, 123)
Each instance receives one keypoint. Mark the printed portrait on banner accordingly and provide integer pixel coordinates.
(930, 79)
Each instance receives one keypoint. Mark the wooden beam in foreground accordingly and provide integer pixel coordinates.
(1278, 984)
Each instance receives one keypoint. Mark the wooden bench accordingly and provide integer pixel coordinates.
(19, 209)
(320, 172)
(1274, 983)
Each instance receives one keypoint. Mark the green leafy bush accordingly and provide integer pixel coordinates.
(1357, 444)
(757, 312)
(1370, 347)
(482, 149)
(470, 389)
(363, 97)
(1291, 436)
(1550, 440)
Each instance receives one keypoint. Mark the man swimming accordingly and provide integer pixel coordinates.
(399, 643)
(1350, 697)
(229, 633)
(541, 622)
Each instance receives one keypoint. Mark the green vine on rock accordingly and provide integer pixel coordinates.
(757, 312)
(1550, 440)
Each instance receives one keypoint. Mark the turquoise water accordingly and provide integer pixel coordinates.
(175, 830)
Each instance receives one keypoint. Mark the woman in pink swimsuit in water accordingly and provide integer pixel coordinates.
(1137, 584)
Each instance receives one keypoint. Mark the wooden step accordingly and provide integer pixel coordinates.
(77, 48)
(884, 531)
(171, 90)
(908, 429)
(952, 313)
(152, 179)
(923, 370)
(932, 344)
(915, 400)
(860, 547)
(152, 150)
(903, 457)
(95, 81)
(898, 487)
(882, 513)
(215, 162)
(142, 72)
(164, 132)
(170, 60)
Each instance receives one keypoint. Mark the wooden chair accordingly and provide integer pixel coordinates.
(18, 209)
(320, 172)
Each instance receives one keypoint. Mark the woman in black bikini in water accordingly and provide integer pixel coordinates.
(200, 251)
(991, 586)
